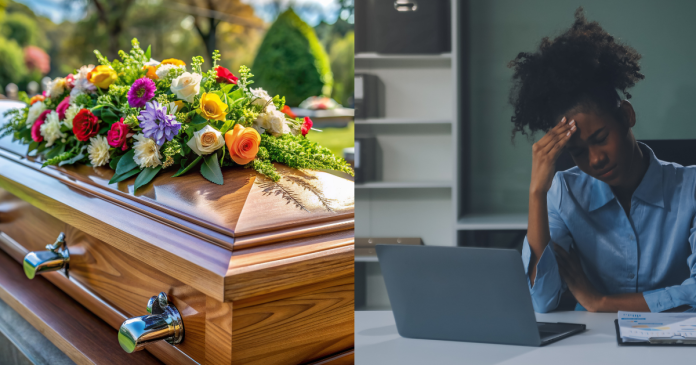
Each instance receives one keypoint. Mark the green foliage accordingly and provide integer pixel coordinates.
(292, 62)
(22, 29)
(265, 167)
(342, 55)
(58, 159)
(300, 153)
(12, 67)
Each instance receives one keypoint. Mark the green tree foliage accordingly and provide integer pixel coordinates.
(292, 62)
(342, 54)
(12, 61)
(22, 29)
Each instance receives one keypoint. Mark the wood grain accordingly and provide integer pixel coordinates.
(191, 260)
(218, 340)
(240, 207)
(78, 333)
(295, 263)
(295, 330)
(165, 352)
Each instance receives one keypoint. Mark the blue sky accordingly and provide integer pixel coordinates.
(311, 11)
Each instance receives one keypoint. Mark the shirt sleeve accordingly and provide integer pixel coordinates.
(548, 286)
(659, 300)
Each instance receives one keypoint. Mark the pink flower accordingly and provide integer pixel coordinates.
(62, 107)
(36, 128)
(117, 136)
(70, 81)
(37, 59)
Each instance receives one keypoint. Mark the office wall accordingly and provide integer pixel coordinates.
(664, 32)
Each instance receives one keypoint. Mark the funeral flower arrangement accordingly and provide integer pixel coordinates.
(139, 117)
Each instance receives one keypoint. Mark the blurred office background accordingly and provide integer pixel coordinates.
(446, 170)
(41, 39)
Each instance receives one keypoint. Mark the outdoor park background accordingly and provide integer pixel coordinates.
(52, 38)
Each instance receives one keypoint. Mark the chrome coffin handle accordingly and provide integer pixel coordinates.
(55, 258)
(163, 323)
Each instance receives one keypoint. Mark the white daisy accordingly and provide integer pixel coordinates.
(146, 152)
(98, 150)
(50, 130)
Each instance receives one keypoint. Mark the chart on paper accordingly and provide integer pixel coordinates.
(637, 326)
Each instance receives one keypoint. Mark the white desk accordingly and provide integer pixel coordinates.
(378, 342)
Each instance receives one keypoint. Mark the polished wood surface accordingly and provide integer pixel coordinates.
(77, 332)
(243, 206)
(105, 310)
(265, 283)
(344, 358)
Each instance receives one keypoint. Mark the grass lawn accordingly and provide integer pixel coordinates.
(335, 139)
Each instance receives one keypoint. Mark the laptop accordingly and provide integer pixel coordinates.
(464, 294)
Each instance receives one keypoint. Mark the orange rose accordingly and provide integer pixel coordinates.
(173, 61)
(243, 144)
(151, 72)
(36, 98)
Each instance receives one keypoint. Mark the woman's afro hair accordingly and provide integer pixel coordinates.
(583, 67)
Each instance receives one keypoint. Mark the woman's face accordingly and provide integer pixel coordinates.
(602, 147)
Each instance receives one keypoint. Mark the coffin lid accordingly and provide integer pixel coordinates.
(247, 210)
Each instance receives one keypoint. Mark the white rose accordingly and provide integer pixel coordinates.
(146, 152)
(70, 114)
(34, 111)
(50, 130)
(186, 86)
(206, 141)
(98, 150)
(261, 98)
(277, 123)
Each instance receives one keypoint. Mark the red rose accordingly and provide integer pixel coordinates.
(118, 135)
(306, 126)
(224, 76)
(85, 125)
(62, 107)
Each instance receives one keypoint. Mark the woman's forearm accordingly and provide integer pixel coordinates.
(630, 302)
(538, 234)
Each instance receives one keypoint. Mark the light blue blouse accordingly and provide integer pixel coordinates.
(651, 251)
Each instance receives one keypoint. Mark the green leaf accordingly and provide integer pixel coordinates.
(104, 130)
(55, 151)
(32, 146)
(236, 94)
(226, 127)
(148, 53)
(109, 116)
(225, 89)
(121, 177)
(210, 169)
(198, 119)
(114, 162)
(126, 163)
(71, 161)
(186, 169)
(146, 176)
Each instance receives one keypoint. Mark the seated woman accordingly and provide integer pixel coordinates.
(619, 229)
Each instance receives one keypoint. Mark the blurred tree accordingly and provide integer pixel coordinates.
(12, 60)
(342, 55)
(23, 29)
(208, 15)
(292, 62)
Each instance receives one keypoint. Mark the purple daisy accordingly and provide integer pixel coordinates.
(157, 124)
(142, 90)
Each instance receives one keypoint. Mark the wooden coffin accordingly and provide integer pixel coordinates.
(262, 273)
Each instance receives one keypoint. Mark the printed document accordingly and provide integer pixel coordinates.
(640, 327)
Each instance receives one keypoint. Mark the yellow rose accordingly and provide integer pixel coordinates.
(173, 61)
(212, 107)
(102, 76)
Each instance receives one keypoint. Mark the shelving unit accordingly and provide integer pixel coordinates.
(401, 121)
(405, 185)
(417, 139)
